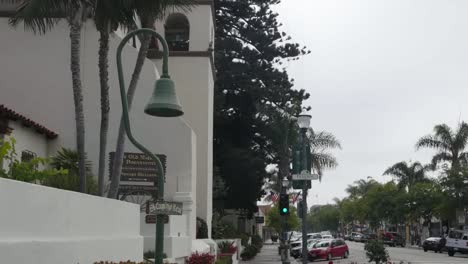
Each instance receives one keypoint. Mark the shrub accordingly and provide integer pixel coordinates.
(221, 229)
(249, 252)
(274, 238)
(244, 239)
(202, 228)
(68, 159)
(203, 258)
(376, 252)
(224, 260)
(227, 247)
(257, 241)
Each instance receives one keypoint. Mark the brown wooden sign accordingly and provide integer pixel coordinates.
(138, 167)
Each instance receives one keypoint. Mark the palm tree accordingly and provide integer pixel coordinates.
(360, 188)
(147, 11)
(41, 16)
(407, 174)
(450, 145)
(108, 15)
(321, 142)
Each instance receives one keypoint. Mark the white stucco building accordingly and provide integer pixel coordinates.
(190, 37)
(35, 83)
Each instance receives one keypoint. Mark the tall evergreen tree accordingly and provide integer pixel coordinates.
(251, 86)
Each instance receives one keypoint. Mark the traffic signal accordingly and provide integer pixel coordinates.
(284, 204)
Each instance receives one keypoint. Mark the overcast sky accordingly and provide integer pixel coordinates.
(381, 74)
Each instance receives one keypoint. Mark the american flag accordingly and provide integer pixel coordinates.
(274, 197)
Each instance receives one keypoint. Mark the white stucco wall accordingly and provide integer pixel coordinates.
(27, 139)
(195, 84)
(45, 59)
(50, 226)
(201, 26)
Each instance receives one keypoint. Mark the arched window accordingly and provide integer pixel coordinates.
(177, 30)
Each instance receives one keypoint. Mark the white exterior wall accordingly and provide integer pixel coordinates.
(27, 139)
(51, 226)
(194, 80)
(45, 59)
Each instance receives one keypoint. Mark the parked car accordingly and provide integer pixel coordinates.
(358, 237)
(368, 237)
(434, 243)
(329, 249)
(347, 237)
(314, 236)
(353, 235)
(393, 239)
(327, 237)
(296, 252)
(457, 241)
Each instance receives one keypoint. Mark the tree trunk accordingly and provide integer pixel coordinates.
(105, 106)
(120, 148)
(75, 66)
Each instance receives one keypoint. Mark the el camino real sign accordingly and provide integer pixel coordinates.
(164, 208)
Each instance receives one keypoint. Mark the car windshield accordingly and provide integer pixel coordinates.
(323, 244)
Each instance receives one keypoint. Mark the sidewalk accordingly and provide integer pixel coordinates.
(268, 255)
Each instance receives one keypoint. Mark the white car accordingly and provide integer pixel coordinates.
(457, 241)
(327, 236)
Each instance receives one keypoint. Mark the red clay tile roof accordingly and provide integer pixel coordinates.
(15, 116)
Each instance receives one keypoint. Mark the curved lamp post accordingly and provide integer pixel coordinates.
(163, 103)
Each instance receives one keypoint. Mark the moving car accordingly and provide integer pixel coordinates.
(328, 249)
(393, 239)
(296, 252)
(457, 241)
(434, 243)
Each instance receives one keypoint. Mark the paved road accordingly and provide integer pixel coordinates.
(357, 256)
(401, 255)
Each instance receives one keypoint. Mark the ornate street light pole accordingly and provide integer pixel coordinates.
(304, 122)
(163, 103)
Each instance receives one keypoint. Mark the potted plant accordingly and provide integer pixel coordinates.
(274, 238)
(227, 249)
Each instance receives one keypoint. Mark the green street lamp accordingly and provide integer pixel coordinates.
(303, 121)
(163, 103)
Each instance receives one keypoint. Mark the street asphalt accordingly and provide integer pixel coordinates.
(398, 255)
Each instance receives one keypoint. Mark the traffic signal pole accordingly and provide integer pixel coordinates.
(284, 246)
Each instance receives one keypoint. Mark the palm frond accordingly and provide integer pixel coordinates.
(431, 142)
(398, 170)
(463, 158)
(461, 137)
(444, 133)
(323, 140)
(324, 160)
(439, 157)
(40, 16)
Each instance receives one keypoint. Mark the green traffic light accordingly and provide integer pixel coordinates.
(285, 210)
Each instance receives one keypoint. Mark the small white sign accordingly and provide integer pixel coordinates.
(305, 176)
